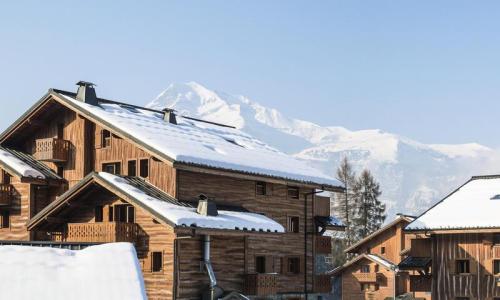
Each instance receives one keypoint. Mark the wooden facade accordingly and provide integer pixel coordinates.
(259, 264)
(368, 276)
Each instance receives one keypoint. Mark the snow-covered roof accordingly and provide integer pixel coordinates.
(374, 258)
(109, 271)
(381, 261)
(18, 166)
(200, 143)
(188, 217)
(476, 204)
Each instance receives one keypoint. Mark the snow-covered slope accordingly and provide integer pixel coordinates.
(412, 175)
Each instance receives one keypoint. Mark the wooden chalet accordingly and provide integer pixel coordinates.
(373, 273)
(462, 243)
(211, 211)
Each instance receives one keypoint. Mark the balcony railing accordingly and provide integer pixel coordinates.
(420, 283)
(366, 277)
(323, 244)
(52, 150)
(5, 194)
(321, 206)
(261, 284)
(100, 232)
(322, 284)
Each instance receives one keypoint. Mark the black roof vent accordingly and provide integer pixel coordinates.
(169, 116)
(86, 93)
(206, 207)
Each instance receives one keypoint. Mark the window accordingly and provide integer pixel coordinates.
(293, 265)
(293, 224)
(496, 239)
(60, 171)
(144, 168)
(60, 131)
(496, 267)
(156, 261)
(260, 264)
(6, 178)
(463, 266)
(369, 287)
(132, 168)
(99, 214)
(260, 188)
(293, 192)
(112, 168)
(110, 214)
(365, 269)
(382, 250)
(105, 138)
(123, 213)
(376, 268)
(5, 219)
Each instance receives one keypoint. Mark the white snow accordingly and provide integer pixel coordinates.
(109, 271)
(461, 150)
(186, 216)
(18, 165)
(195, 142)
(381, 261)
(469, 207)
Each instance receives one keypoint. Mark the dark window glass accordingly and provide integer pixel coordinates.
(130, 214)
(294, 265)
(496, 267)
(365, 269)
(60, 131)
(144, 168)
(463, 266)
(293, 224)
(157, 262)
(99, 213)
(376, 268)
(6, 177)
(60, 171)
(293, 192)
(260, 264)
(132, 168)
(260, 188)
(112, 168)
(5, 219)
(382, 250)
(496, 239)
(110, 214)
(121, 213)
(106, 138)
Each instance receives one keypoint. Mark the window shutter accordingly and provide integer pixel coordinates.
(269, 189)
(146, 263)
(269, 264)
(473, 266)
(488, 265)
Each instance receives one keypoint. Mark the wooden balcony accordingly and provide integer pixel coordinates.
(5, 194)
(261, 284)
(101, 232)
(323, 244)
(321, 206)
(366, 277)
(52, 150)
(420, 283)
(322, 284)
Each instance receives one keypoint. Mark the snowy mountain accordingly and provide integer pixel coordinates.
(412, 175)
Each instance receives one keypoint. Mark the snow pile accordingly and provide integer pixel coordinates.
(18, 165)
(186, 216)
(108, 271)
(200, 143)
(472, 206)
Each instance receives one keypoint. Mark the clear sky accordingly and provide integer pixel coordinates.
(429, 70)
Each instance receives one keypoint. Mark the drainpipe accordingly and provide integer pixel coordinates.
(395, 270)
(208, 264)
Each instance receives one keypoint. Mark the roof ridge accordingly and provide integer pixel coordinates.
(490, 176)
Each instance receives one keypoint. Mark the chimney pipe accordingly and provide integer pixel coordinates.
(169, 116)
(86, 93)
(206, 207)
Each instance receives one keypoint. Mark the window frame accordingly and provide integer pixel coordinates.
(295, 192)
(99, 214)
(106, 137)
(262, 188)
(156, 254)
(5, 219)
(365, 269)
(294, 262)
(117, 167)
(466, 266)
(290, 223)
(134, 161)
(141, 160)
(260, 264)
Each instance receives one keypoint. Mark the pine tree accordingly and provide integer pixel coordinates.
(370, 214)
(343, 203)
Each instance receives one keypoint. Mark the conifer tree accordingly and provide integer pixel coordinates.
(343, 203)
(370, 213)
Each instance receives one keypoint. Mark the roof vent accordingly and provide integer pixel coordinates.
(86, 93)
(206, 207)
(169, 116)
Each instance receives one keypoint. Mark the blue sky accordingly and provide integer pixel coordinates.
(429, 70)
